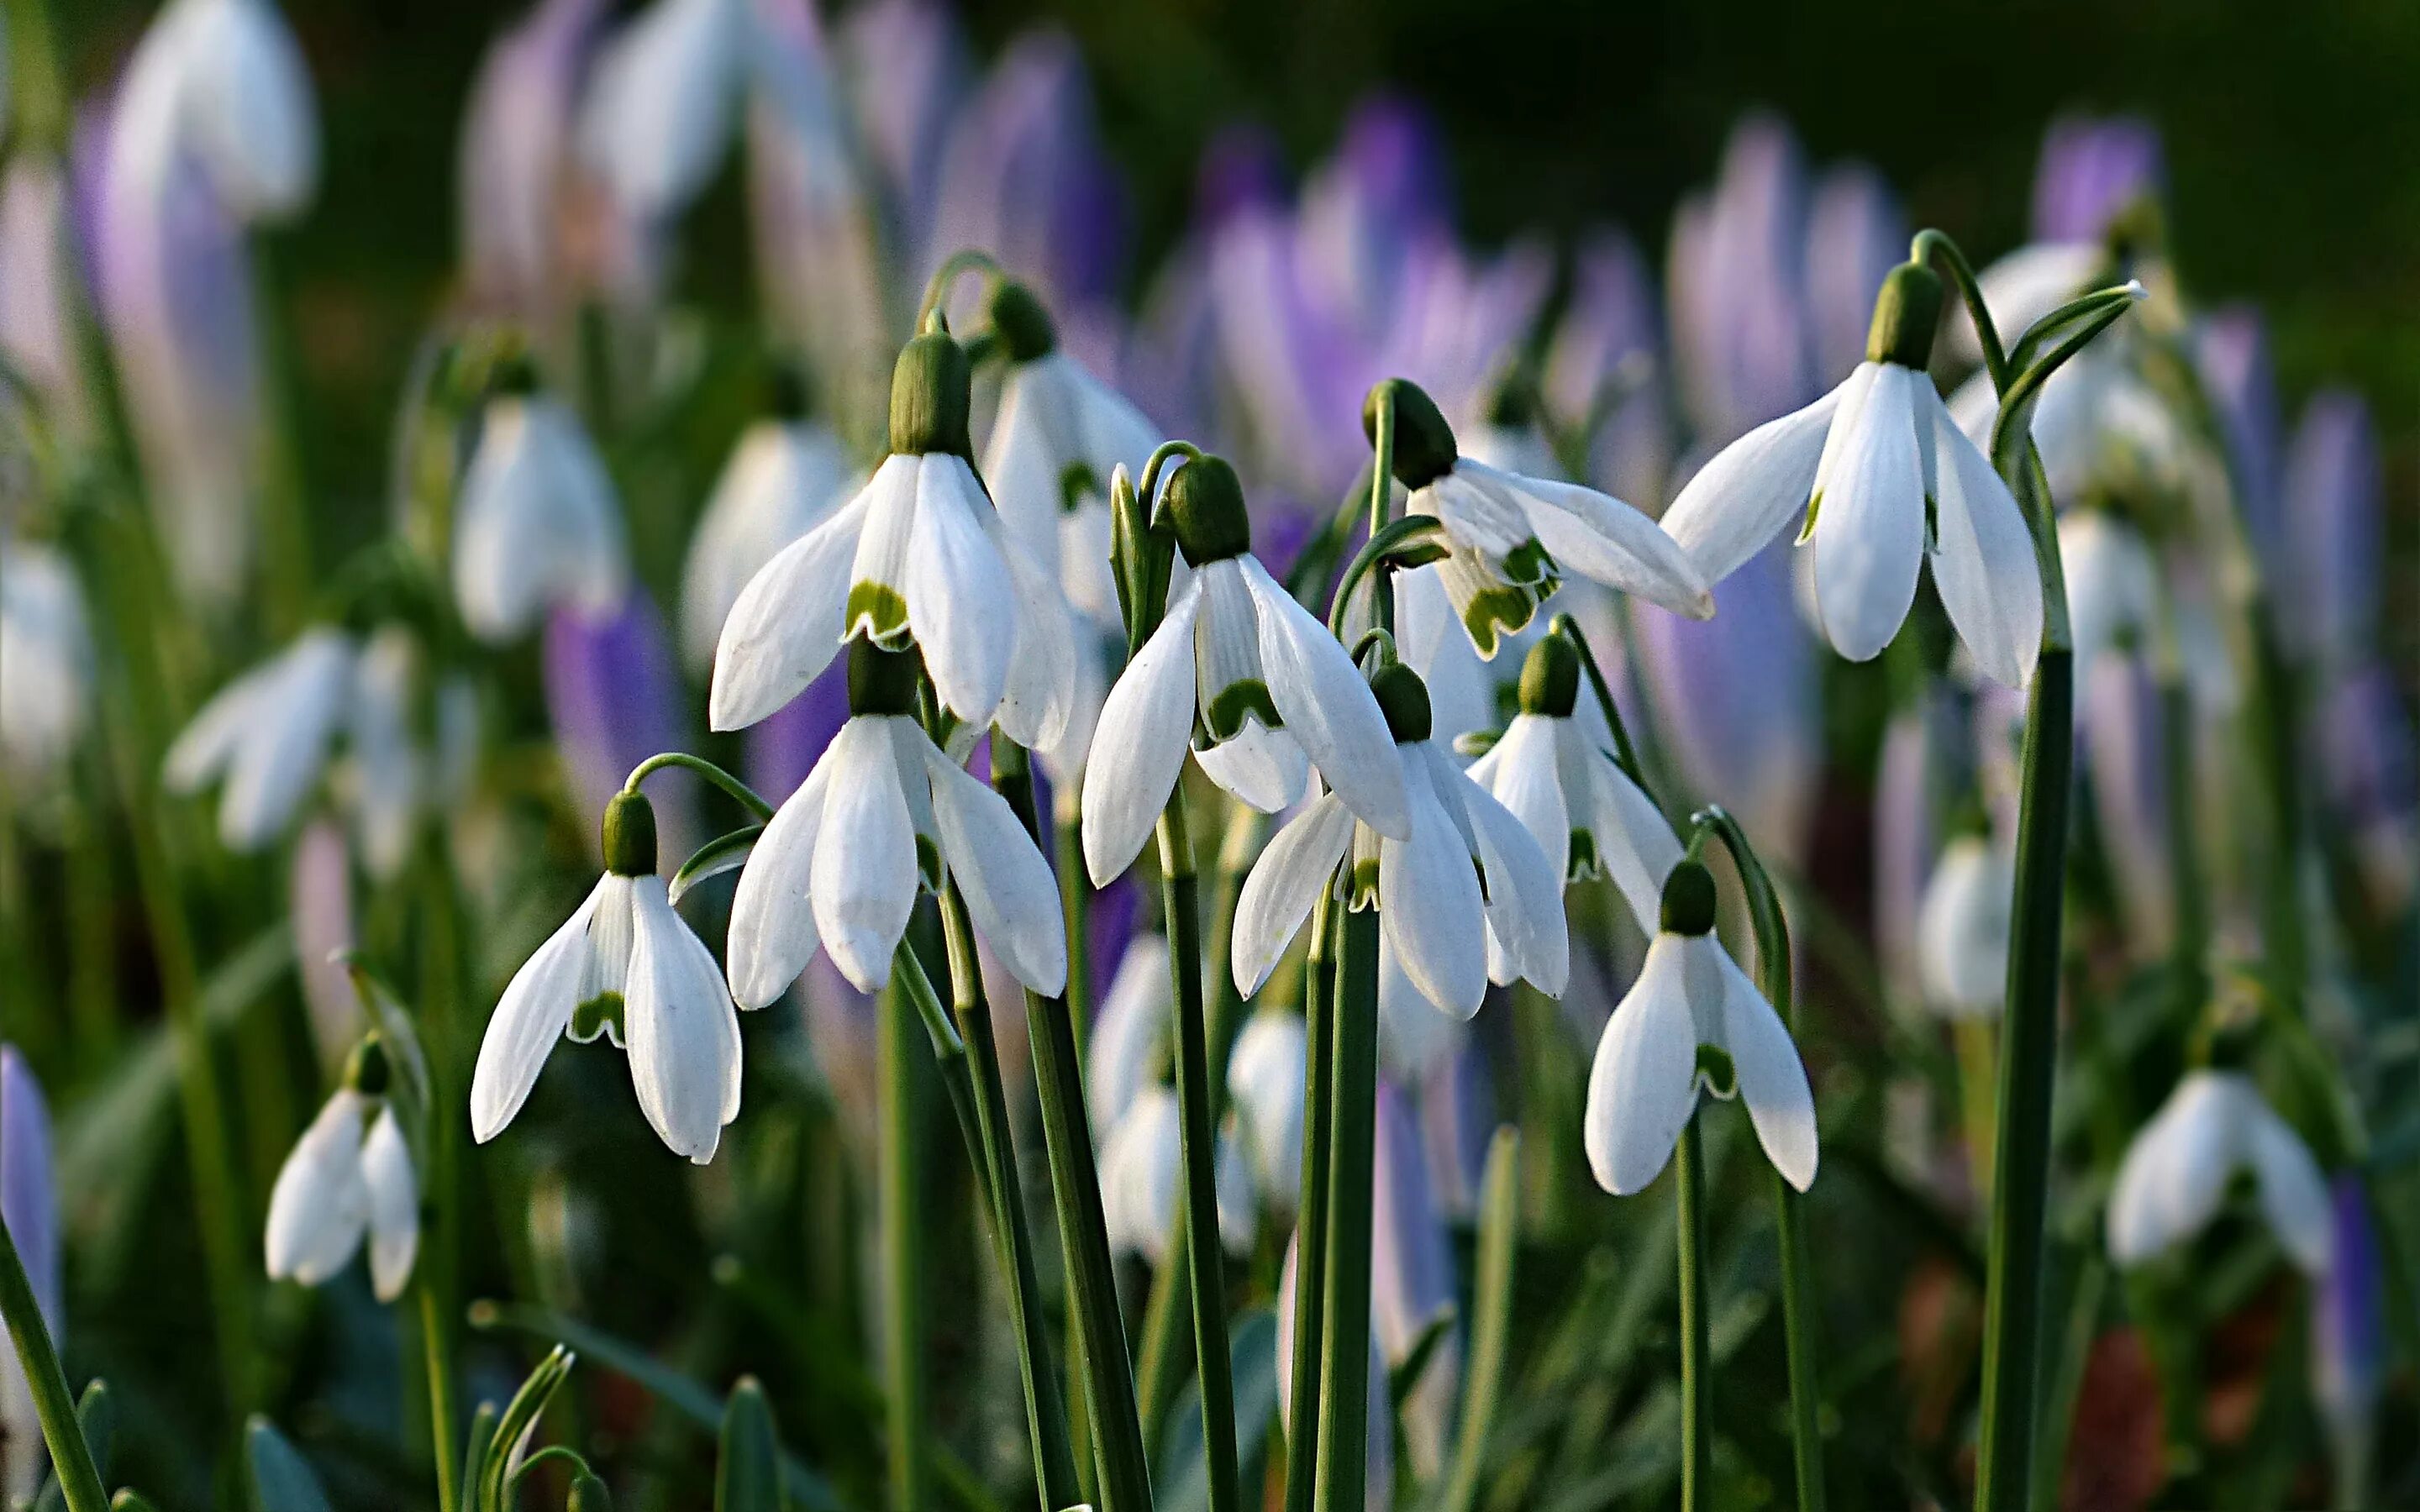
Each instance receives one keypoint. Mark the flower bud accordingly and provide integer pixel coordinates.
(1906, 313)
(1021, 323)
(1425, 449)
(366, 1070)
(931, 392)
(1550, 679)
(1688, 901)
(588, 1494)
(1403, 699)
(1206, 502)
(881, 682)
(629, 836)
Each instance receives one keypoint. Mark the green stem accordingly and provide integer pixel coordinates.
(746, 795)
(1074, 893)
(1696, 1357)
(1499, 1222)
(70, 1457)
(437, 1339)
(937, 289)
(1106, 1376)
(1310, 1222)
(1046, 1413)
(441, 1031)
(1625, 755)
(1198, 1121)
(1382, 493)
(902, 1186)
(1344, 1344)
(1164, 1351)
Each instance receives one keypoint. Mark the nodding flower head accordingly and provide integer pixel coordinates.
(1205, 503)
(931, 395)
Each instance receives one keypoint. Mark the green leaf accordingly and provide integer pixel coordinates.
(725, 852)
(475, 1446)
(748, 1476)
(282, 1479)
(97, 1419)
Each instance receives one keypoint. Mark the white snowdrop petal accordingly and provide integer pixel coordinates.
(393, 1206)
(1414, 1034)
(959, 601)
(1024, 462)
(2175, 1173)
(1283, 886)
(2293, 1191)
(1007, 884)
(1643, 1085)
(1607, 541)
(682, 1029)
(1634, 842)
(1037, 702)
(1265, 1080)
(205, 746)
(864, 877)
(772, 935)
(1771, 1078)
(1322, 698)
(1870, 519)
(1524, 895)
(1138, 746)
(1264, 767)
(782, 481)
(786, 624)
(1428, 901)
(532, 1015)
(1751, 490)
(277, 762)
(1962, 926)
(1134, 1015)
(663, 105)
(320, 1206)
(1985, 569)
(1523, 773)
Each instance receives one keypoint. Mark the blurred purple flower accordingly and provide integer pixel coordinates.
(784, 746)
(1608, 342)
(2332, 485)
(2370, 774)
(2348, 1353)
(1734, 281)
(2091, 168)
(1365, 213)
(2232, 350)
(1457, 1122)
(614, 697)
(1917, 765)
(515, 150)
(29, 1205)
(1411, 1277)
(1855, 233)
(319, 894)
(39, 266)
(905, 69)
(2119, 727)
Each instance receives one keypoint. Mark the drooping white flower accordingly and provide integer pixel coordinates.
(1691, 997)
(1555, 778)
(537, 522)
(1128, 1030)
(224, 83)
(626, 964)
(2176, 1173)
(1962, 930)
(1243, 676)
(664, 103)
(1141, 1165)
(2113, 584)
(785, 477)
(1264, 1082)
(348, 1176)
(885, 811)
(919, 555)
(2100, 425)
(267, 733)
(1888, 481)
(45, 659)
(1466, 899)
(1513, 536)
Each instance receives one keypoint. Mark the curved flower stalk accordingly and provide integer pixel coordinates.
(919, 555)
(884, 814)
(2175, 1175)
(350, 1174)
(786, 474)
(29, 1205)
(1468, 897)
(1242, 675)
(537, 523)
(1962, 929)
(624, 965)
(1690, 997)
(1140, 1179)
(1885, 481)
(1510, 536)
(46, 661)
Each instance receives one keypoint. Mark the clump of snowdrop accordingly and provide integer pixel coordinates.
(884, 812)
(1467, 897)
(537, 522)
(349, 1175)
(1962, 929)
(1240, 674)
(1883, 482)
(2214, 1126)
(625, 966)
(1139, 1178)
(1691, 998)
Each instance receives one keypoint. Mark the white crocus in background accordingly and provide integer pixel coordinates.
(2176, 1173)
(349, 1175)
(626, 964)
(884, 812)
(1139, 1176)
(919, 555)
(1551, 772)
(268, 735)
(1269, 690)
(1466, 899)
(29, 1205)
(1511, 537)
(1691, 997)
(537, 522)
(1264, 1083)
(45, 660)
(1884, 481)
(1961, 940)
(786, 476)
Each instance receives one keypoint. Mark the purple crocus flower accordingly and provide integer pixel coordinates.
(2232, 350)
(2121, 731)
(2347, 1329)
(29, 1204)
(1908, 789)
(38, 263)
(515, 148)
(1735, 281)
(2370, 774)
(1411, 1276)
(1610, 340)
(320, 892)
(1457, 1122)
(1855, 233)
(2331, 485)
(906, 69)
(614, 697)
(1367, 210)
(2092, 168)
(784, 746)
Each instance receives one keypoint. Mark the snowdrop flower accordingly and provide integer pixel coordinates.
(1466, 899)
(919, 555)
(46, 667)
(1886, 481)
(1265, 1080)
(350, 1174)
(2113, 582)
(1583, 810)
(2175, 1174)
(1691, 998)
(885, 811)
(1242, 675)
(537, 522)
(1962, 929)
(1139, 1171)
(786, 476)
(664, 103)
(267, 735)
(627, 965)
(1511, 536)
(223, 81)
(1130, 1030)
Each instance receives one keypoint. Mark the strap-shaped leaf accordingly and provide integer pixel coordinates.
(748, 1474)
(281, 1480)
